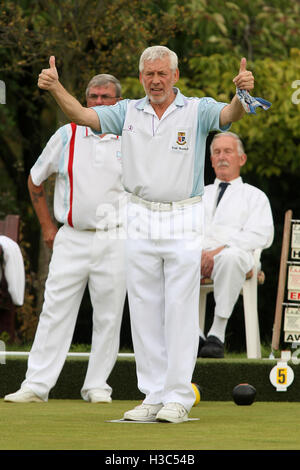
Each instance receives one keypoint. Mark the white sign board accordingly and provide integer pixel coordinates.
(294, 295)
(295, 242)
(281, 376)
(292, 325)
(294, 278)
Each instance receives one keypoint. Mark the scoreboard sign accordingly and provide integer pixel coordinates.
(292, 325)
(292, 314)
(294, 283)
(295, 242)
(288, 291)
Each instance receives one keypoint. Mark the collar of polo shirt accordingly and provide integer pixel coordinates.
(178, 100)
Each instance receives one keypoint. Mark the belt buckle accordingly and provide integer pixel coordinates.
(166, 206)
(155, 206)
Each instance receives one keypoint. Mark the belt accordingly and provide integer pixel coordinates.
(77, 229)
(106, 228)
(165, 206)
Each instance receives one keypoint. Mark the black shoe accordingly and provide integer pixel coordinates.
(213, 347)
(201, 344)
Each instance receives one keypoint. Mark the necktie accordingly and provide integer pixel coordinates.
(222, 187)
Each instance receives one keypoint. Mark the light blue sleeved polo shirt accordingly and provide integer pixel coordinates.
(112, 117)
(208, 120)
(163, 159)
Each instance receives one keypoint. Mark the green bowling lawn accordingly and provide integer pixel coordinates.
(77, 425)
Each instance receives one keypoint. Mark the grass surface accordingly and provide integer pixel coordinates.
(77, 425)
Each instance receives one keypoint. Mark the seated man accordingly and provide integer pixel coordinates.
(235, 226)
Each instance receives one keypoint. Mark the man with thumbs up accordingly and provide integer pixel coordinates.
(163, 151)
(49, 80)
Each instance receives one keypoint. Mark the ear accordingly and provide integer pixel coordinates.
(176, 76)
(243, 159)
(140, 77)
(212, 161)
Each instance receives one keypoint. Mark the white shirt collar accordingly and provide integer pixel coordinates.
(237, 180)
(178, 101)
(87, 132)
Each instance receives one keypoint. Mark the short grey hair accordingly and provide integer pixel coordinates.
(103, 80)
(240, 145)
(158, 52)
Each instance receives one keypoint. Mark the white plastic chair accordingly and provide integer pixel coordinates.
(249, 292)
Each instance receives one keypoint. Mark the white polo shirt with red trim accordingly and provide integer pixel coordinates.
(88, 172)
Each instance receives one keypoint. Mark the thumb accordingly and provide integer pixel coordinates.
(52, 62)
(243, 65)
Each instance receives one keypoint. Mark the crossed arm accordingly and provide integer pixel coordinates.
(207, 261)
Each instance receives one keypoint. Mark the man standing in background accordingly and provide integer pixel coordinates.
(88, 177)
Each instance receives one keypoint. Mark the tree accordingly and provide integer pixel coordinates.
(255, 29)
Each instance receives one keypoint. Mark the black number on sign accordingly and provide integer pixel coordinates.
(281, 376)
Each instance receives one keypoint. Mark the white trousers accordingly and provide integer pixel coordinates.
(79, 259)
(163, 281)
(229, 273)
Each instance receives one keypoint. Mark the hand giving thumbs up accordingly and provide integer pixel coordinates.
(245, 79)
(48, 78)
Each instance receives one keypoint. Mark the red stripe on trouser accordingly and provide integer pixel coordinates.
(70, 172)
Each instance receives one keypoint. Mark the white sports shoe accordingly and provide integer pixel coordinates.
(99, 396)
(24, 395)
(172, 413)
(143, 412)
